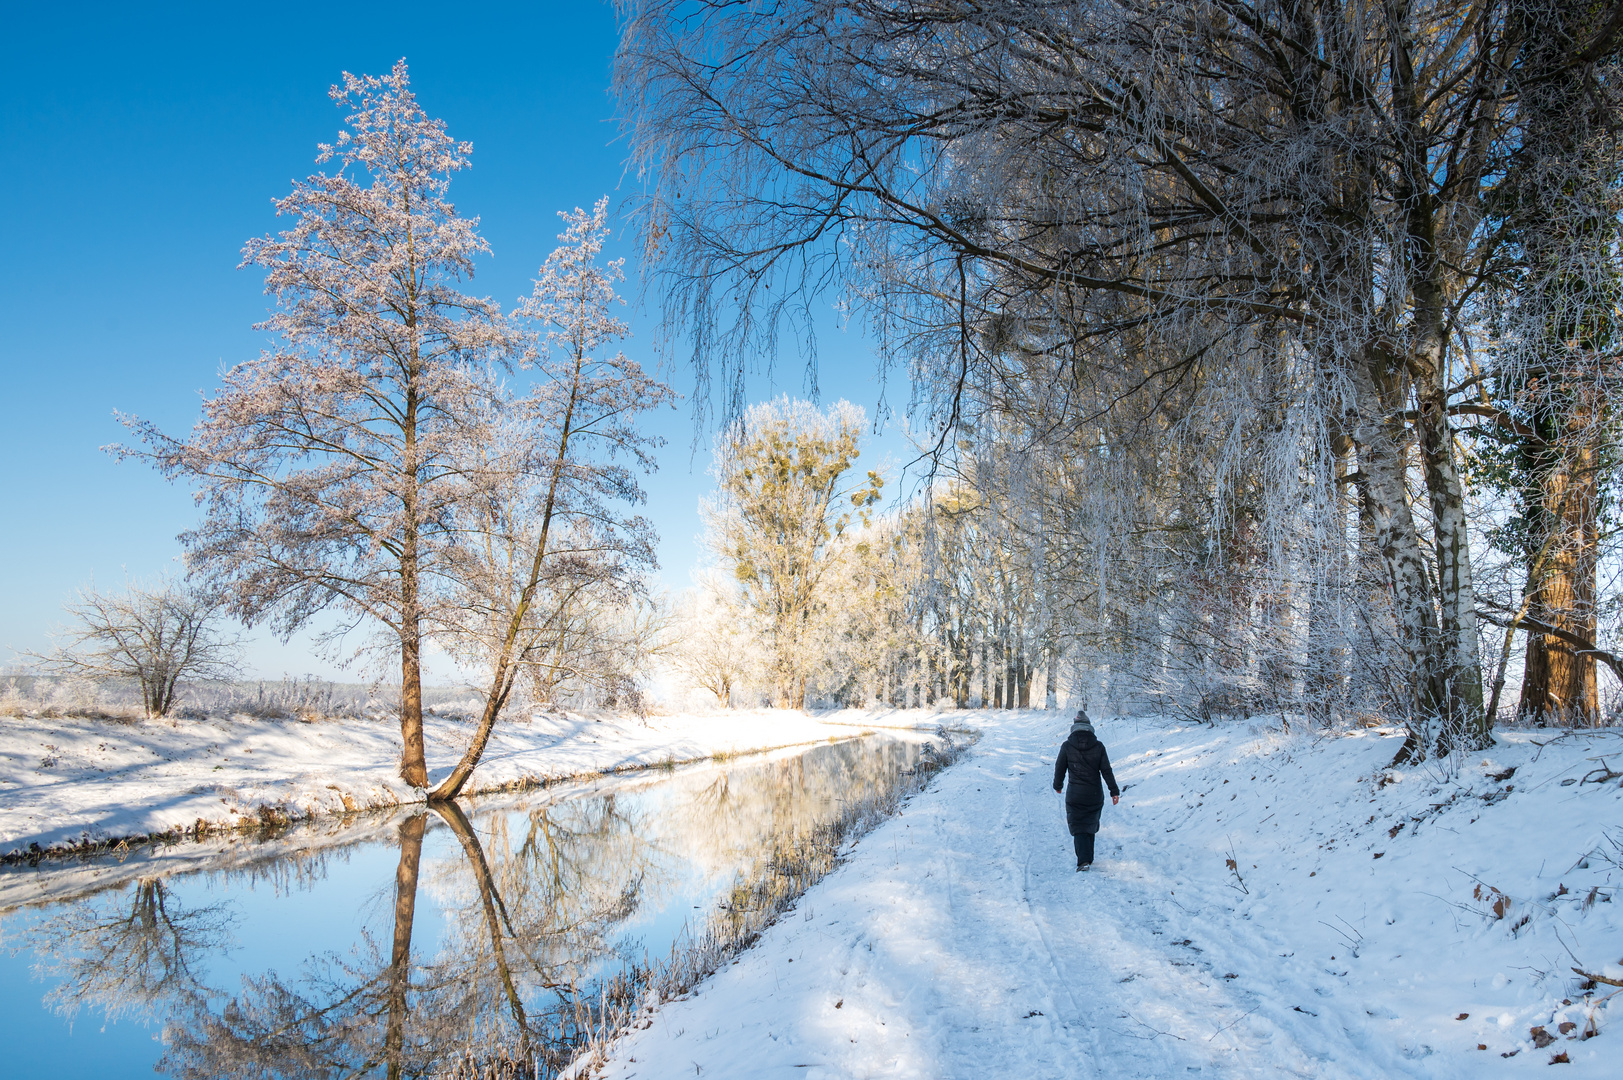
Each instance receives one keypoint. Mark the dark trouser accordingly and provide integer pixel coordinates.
(1083, 821)
(1084, 848)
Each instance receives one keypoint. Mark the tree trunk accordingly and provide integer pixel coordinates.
(986, 675)
(171, 690)
(413, 767)
(1558, 684)
(1460, 653)
(452, 785)
(1382, 440)
(1433, 226)
(405, 908)
(1568, 226)
(1021, 668)
(1006, 665)
(969, 669)
(1000, 672)
(963, 674)
(1325, 638)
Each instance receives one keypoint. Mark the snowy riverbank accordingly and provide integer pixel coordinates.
(68, 782)
(1380, 923)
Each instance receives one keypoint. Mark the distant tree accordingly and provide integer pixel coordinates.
(330, 469)
(711, 646)
(544, 538)
(157, 637)
(869, 650)
(782, 505)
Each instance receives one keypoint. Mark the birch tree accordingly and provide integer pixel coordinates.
(328, 468)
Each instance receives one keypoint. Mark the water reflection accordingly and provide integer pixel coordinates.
(130, 955)
(488, 953)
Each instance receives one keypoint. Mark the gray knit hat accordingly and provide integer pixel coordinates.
(1081, 723)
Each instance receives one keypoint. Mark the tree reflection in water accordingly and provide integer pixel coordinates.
(131, 954)
(535, 915)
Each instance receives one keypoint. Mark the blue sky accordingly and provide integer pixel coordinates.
(141, 145)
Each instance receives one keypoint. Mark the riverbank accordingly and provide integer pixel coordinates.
(78, 784)
(1264, 903)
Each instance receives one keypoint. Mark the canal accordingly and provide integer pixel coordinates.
(494, 938)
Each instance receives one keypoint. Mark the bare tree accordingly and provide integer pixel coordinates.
(157, 636)
(329, 470)
(542, 532)
(711, 645)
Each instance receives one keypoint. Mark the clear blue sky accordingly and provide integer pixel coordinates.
(140, 146)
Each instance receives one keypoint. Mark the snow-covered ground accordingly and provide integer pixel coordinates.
(68, 781)
(1375, 923)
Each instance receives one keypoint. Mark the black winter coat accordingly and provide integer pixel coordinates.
(1083, 758)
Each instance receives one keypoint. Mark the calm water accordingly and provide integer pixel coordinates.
(415, 938)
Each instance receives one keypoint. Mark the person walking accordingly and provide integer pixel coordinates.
(1082, 757)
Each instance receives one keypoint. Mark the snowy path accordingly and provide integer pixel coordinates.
(958, 940)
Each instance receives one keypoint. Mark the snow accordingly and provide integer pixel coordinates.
(957, 939)
(65, 782)
(1367, 908)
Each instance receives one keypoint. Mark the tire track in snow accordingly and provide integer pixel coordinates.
(1177, 989)
(1131, 970)
(980, 888)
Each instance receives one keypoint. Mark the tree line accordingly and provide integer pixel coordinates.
(1286, 331)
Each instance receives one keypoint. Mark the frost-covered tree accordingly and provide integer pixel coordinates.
(877, 647)
(156, 637)
(1091, 202)
(783, 502)
(710, 644)
(546, 536)
(330, 468)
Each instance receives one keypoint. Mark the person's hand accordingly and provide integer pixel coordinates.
(1115, 799)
